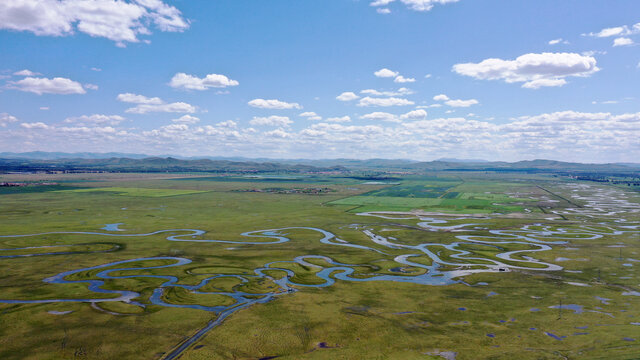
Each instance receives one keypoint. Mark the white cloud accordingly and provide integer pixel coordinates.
(273, 104)
(310, 115)
(400, 91)
(96, 69)
(278, 133)
(96, 119)
(453, 102)
(385, 73)
(176, 107)
(347, 96)
(138, 99)
(418, 114)
(26, 72)
(616, 31)
(36, 125)
(154, 104)
(558, 41)
(280, 121)
(414, 115)
(586, 137)
(5, 119)
(91, 86)
(190, 82)
(593, 52)
(391, 101)
(383, 11)
(620, 32)
(401, 79)
(428, 76)
(429, 106)
(461, 103)
(342, 119)
(186, 119)
(120, 21)
(622, 41)
(380, 116)
(58, 85)
(536, 84)
(416, 5)
(531, 68)
(44, 108)
(381, 2)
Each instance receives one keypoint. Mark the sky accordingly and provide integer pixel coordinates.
(319, 79)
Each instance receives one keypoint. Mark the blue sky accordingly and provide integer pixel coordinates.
(419, 79)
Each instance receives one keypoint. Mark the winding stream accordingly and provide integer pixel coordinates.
(458, 264)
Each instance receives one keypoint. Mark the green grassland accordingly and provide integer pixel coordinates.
(348, 320)
(139, 191)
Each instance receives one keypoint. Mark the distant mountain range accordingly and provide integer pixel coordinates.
(49, 161)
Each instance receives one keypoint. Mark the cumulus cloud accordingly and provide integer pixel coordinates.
(278, 133)
(5, 119)
(530, 69)
(385, 73)
(453, 102)
(57, 85)
(620, 32)
(176, 107)
(347, 96)
(279, 121)
(536, 84)
(624, 30)
(400, 91)
(273, 104)
(418, 114)
(401, 79)
(35, 125)
(155, 104)
(622, 41)
(383, 11)
(461, 103)
(186, 119)
(384, 102)
(310, 115)
(380, 116)
(190, 82)
(26, 72)
(341, 119)
(121, 21)
(578, 136)
(138, 99)
(95, 119)
(414, 115)
(558, 41)
(416, 5)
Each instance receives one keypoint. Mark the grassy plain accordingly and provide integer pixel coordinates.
(490, 316)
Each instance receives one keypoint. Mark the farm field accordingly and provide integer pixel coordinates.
(456, 266)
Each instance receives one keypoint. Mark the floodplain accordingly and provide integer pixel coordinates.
(448, 266)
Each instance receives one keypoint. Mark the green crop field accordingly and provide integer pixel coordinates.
(531, 267)
(453, 196)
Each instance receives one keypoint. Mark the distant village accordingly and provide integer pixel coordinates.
(308, 191)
